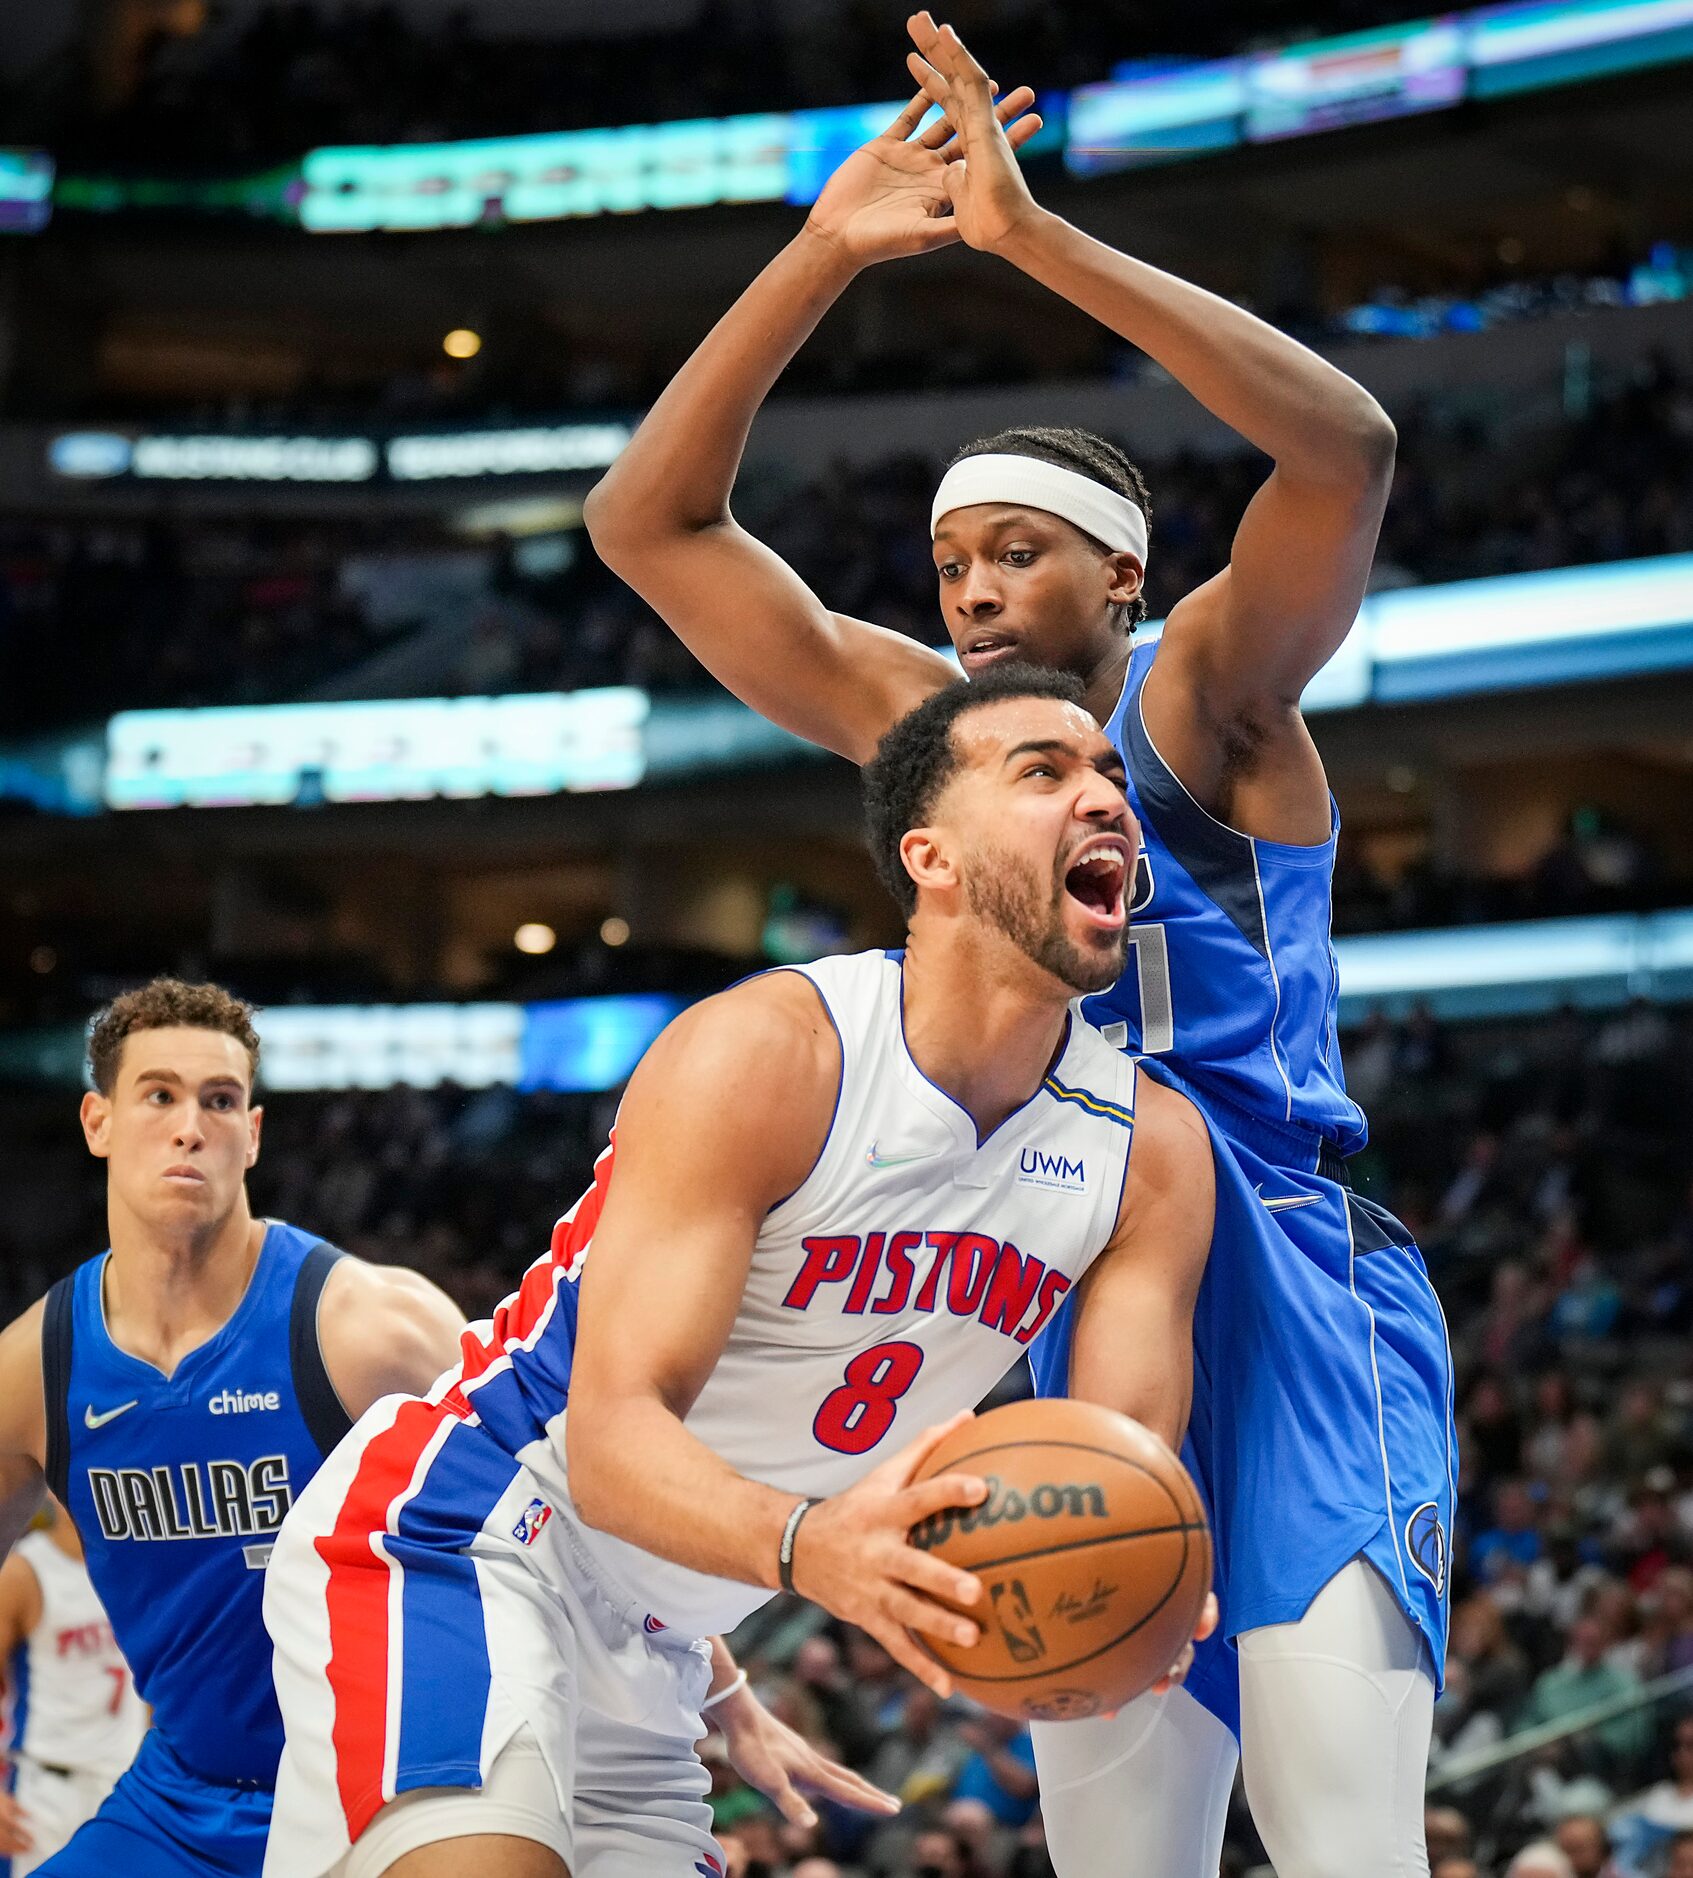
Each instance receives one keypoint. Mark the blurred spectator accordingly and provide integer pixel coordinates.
(1540, 1860)
(945, 1853)
(1584, 1841)
(1583, 1679)
(1680, 1863)
(1514, 1537)
(1000, 1773)
(1446, 1833)
(1649, 1820)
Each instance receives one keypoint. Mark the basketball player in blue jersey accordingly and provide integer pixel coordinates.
(1321, 1429)
(178, 1391)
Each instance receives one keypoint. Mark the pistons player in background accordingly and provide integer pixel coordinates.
(178, 1391)
(1322, 1432)
(75, 1718)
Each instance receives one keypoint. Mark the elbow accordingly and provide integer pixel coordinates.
(605, 515)
(626, 519)
(1373, 441)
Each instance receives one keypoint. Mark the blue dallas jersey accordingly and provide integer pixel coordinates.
(1321, 1423)
(178, 1485)
(1232, 984)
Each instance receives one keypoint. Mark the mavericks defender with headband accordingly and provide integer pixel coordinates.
(1321, 1422)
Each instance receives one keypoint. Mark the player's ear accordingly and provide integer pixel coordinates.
(255, 1125)
(927, 859)
(1126, 576)
(96, 1115)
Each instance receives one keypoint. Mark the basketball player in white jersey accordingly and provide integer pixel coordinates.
(76, 1720)
(845, 1199)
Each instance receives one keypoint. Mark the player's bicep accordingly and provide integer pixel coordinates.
(1257, 634)
(726, 1115)
(384, 1330)
(764, 635)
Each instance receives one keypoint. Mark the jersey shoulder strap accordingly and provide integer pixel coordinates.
(56, 1332)
(320, 1407)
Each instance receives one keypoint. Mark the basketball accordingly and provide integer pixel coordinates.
(1093, 1552)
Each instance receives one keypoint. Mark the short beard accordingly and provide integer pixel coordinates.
(1004, 891)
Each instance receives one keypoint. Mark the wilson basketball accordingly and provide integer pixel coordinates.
(1093, 1553)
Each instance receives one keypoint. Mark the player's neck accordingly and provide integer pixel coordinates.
(985, 1029)
(166, 1294)
(1104, 682)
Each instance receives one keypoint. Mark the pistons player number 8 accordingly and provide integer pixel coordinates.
(854, 1417)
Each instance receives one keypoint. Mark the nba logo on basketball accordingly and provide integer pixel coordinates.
(535, 1516)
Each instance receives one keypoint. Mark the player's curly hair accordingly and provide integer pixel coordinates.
(1088, 455)
(160, 1005)
(917, 757)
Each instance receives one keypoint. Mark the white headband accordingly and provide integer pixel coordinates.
(1096, 510)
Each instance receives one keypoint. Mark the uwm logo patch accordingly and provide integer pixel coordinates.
(1060, 1173)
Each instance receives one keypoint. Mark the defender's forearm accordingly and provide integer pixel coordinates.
(1279, 395)
(677, 472)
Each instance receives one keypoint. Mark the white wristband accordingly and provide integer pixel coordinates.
(723, 1694)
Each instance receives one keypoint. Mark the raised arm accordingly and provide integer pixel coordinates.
(1223, 700)
(1133, 1346)
(695, 1176)
(661, 520)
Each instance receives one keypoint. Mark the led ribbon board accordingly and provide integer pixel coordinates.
(1396, 71)
(405, 750)
(220, 457)
(580, 1044)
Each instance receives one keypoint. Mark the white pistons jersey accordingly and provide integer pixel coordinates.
(900, 1282)
(73, 1699)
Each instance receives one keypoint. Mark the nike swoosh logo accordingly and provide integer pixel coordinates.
(1285, 1202)
(91, 1420)
(876, 1158)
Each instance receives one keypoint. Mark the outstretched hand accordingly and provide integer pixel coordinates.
(785, 1767)
(990, 200)
(891, 196)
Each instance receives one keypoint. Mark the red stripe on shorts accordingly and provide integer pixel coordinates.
(516, 1318)
(357, 1597)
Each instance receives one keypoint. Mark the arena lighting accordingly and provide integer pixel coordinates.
(1567, 625)
(1513, 970)
(26, 191)
(533, 450)
(403, 750)
(95, 455)
(534, 937)
(539, 450)
(614, 931)
(462, 343)
(1616, 619)
(1393, 71)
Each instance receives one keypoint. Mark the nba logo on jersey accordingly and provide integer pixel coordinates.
(535, 1516)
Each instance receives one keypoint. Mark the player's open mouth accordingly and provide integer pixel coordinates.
(981, 650)
(1096, 878)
